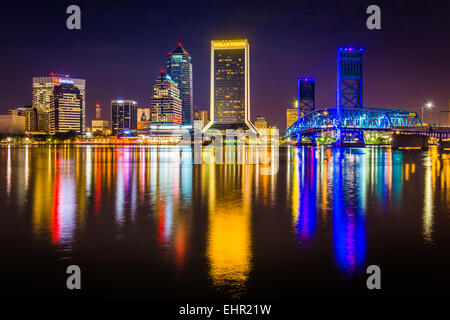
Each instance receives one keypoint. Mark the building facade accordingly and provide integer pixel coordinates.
(66, 109)
(123, 116)
(31, 117)
(292, 115)
(42, 88)
(143, 119)
(12, 124)
(261, 123)
(100, 126)
(230, 85)
(179, 68)
(166, 105)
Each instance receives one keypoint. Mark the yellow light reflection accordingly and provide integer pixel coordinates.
(229, 235)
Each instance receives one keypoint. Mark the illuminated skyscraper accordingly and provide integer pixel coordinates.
(179, 68)
(66, 109)
(123, 116)
(292, 115)
(349, 78)
(230, 85)
(43, 92)
(165, 104)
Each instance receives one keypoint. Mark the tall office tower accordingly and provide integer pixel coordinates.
(123, 116)
(306, 96)
(261, 122)
(179, 68)
(166, 105)
(66, 109)
(292, 115)
(98, 111)
(43, 92)
(349, 78)
(31, 117)
(230, 86)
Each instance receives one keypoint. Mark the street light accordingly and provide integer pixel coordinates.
(428, 105)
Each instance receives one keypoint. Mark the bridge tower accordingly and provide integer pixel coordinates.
(306, 96)
(349, 78)
(349, 84)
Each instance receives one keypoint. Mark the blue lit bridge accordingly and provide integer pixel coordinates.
(350, 119)
(349, 124)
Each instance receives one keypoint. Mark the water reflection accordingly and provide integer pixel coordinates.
(325, 202)
(228, 190)
(349, 230)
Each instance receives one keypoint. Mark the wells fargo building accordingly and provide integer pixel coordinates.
(230, 85)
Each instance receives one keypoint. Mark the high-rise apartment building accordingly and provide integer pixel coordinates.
(43, 91)
(179, 68)
(123, 116)
(166, 105)
(230, 85)
(66, 109)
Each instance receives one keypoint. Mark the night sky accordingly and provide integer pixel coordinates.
(123, 44)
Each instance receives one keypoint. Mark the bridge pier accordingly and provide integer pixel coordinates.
(409, 141)
(343, 137)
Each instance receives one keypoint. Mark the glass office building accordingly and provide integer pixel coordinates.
(66, 109)
(166, 105)
(179, 68)
(42, 88)
(123, 116)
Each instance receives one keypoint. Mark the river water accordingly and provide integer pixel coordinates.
(146, 222)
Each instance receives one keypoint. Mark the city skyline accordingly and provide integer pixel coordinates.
(394, 56)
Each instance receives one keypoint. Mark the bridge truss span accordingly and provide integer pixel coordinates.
(353, 119)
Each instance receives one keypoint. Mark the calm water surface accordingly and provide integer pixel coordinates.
(145, 222)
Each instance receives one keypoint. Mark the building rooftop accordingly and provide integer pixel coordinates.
(179, 49)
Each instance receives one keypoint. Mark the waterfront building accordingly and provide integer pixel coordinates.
(306, 96)
(349, 78)
(260, 123)
(123, 116)
(166, 105)
(292, 115)
(12, 124)
(31, 117)
(179, 68)
(66, 109)
(42, 93)
(100, 127)
(230, 86)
